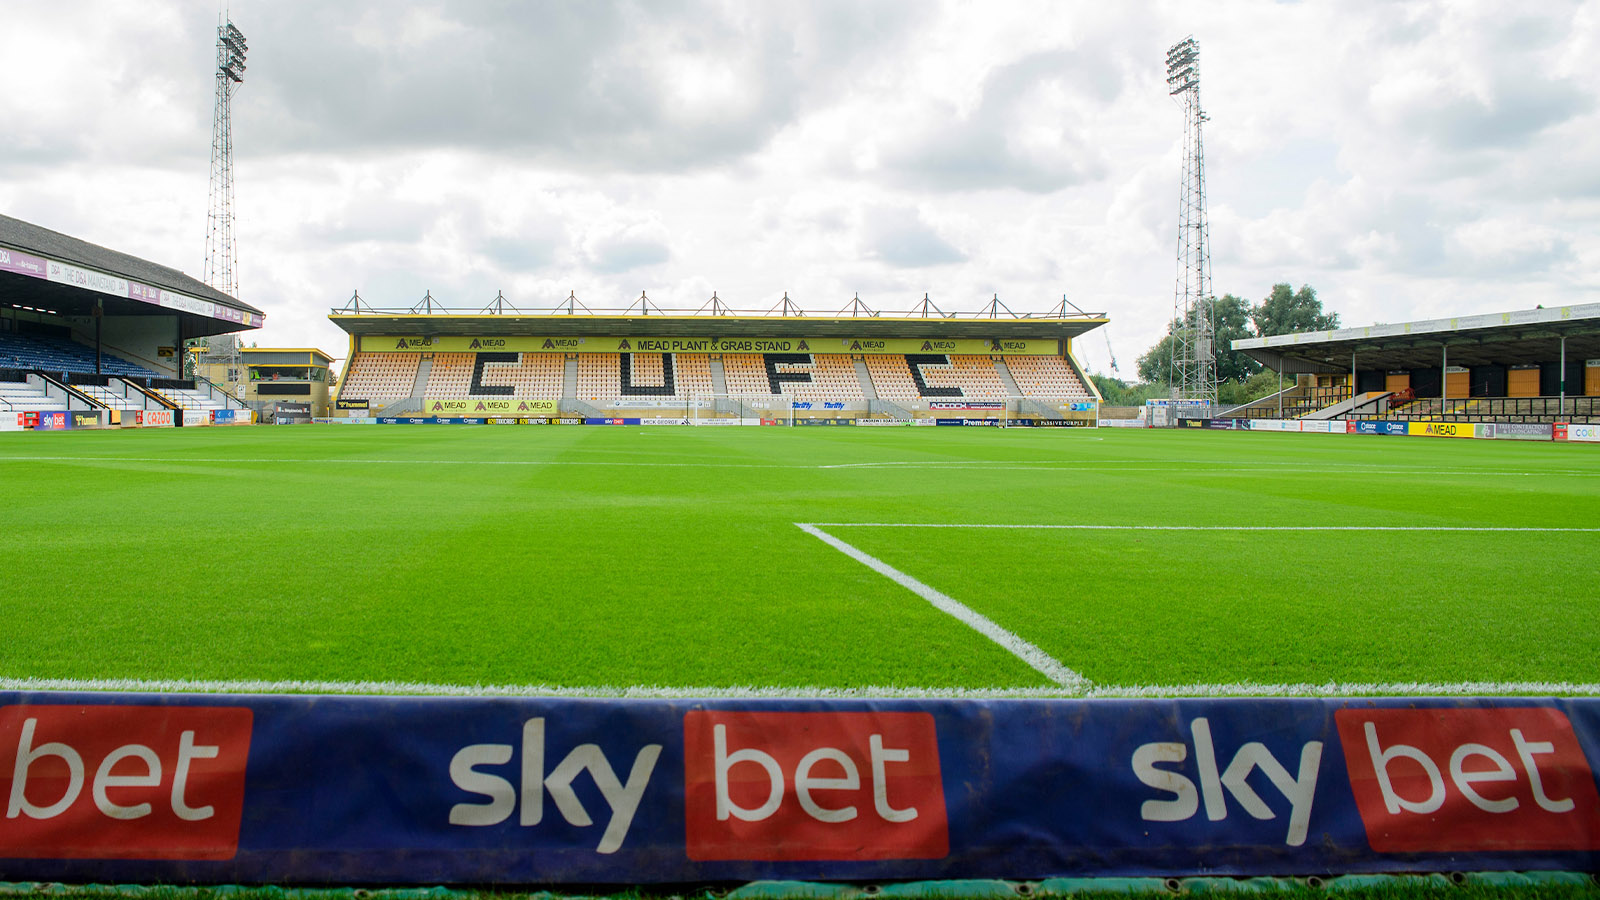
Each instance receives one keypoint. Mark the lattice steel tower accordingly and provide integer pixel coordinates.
(1194, 365)
(222, 254)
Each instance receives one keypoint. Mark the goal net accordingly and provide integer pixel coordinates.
(739, 409)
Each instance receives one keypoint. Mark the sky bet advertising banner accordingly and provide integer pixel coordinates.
(286, 789)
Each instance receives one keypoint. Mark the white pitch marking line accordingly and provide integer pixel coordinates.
(399, 462)
(1424, 528)
(1041, 661)
(1100, 692)
(1042, 467)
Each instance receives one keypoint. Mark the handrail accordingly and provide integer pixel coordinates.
(215, 389)
(150, 394)
(1484, 409)
(69, 389)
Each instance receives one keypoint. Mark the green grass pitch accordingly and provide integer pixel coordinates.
(592, 558)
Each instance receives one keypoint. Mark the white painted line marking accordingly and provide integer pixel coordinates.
(1041, 661)
(1099, 692)
(399, 462)
(1065, 468)
(1423, 528)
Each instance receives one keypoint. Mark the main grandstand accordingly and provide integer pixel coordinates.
(717, 366)
(100, 334)
(1532, 366)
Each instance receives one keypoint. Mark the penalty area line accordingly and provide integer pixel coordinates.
(1037, 659)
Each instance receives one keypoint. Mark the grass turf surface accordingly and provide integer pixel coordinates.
(669, 556)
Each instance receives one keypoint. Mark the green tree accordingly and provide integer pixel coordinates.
(1155, 366)
(1231, 317)
(1234, 393)
(1117, 392)
(1285, 311)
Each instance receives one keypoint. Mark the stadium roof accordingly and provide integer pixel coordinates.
(267, 356)
(1511, 338)
(46, 269)
(717, 326)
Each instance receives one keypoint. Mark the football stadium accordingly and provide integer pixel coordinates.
(1032, 656)
(817, 600)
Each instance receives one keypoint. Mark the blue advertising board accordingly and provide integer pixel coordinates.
(1365, 426)
(301, 789)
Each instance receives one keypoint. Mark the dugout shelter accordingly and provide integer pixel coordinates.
(716, 365)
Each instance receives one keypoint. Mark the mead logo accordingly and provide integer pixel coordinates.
(478, 344)
(122, 782)
(804, 347)
(813, 786)
(1443, 429)
(1452, 780)
(938, 345)
(623, 345)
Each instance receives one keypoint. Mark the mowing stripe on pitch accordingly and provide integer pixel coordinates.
(1065, 468)
(1105, 692)
(1042, 662)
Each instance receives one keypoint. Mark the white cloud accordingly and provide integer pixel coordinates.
(1406, 160)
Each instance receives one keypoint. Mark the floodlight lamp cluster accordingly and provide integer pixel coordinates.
(1183, 65)
(233, 49)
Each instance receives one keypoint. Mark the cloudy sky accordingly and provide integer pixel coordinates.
(1407, 160)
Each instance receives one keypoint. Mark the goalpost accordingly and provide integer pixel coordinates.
(739, 409)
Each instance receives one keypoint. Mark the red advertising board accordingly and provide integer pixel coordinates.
(123, 782)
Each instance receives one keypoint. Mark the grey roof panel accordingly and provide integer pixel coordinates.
(30, 238)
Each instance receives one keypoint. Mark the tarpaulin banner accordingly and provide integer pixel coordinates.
(1516, 431)
(1323, 426)
(1442, 429)
(1366, 426)
(300, 789)
(687, 344)
(483, 407)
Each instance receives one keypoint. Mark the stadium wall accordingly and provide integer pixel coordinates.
(138, 339)
(1515, 431)
(117, 788)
